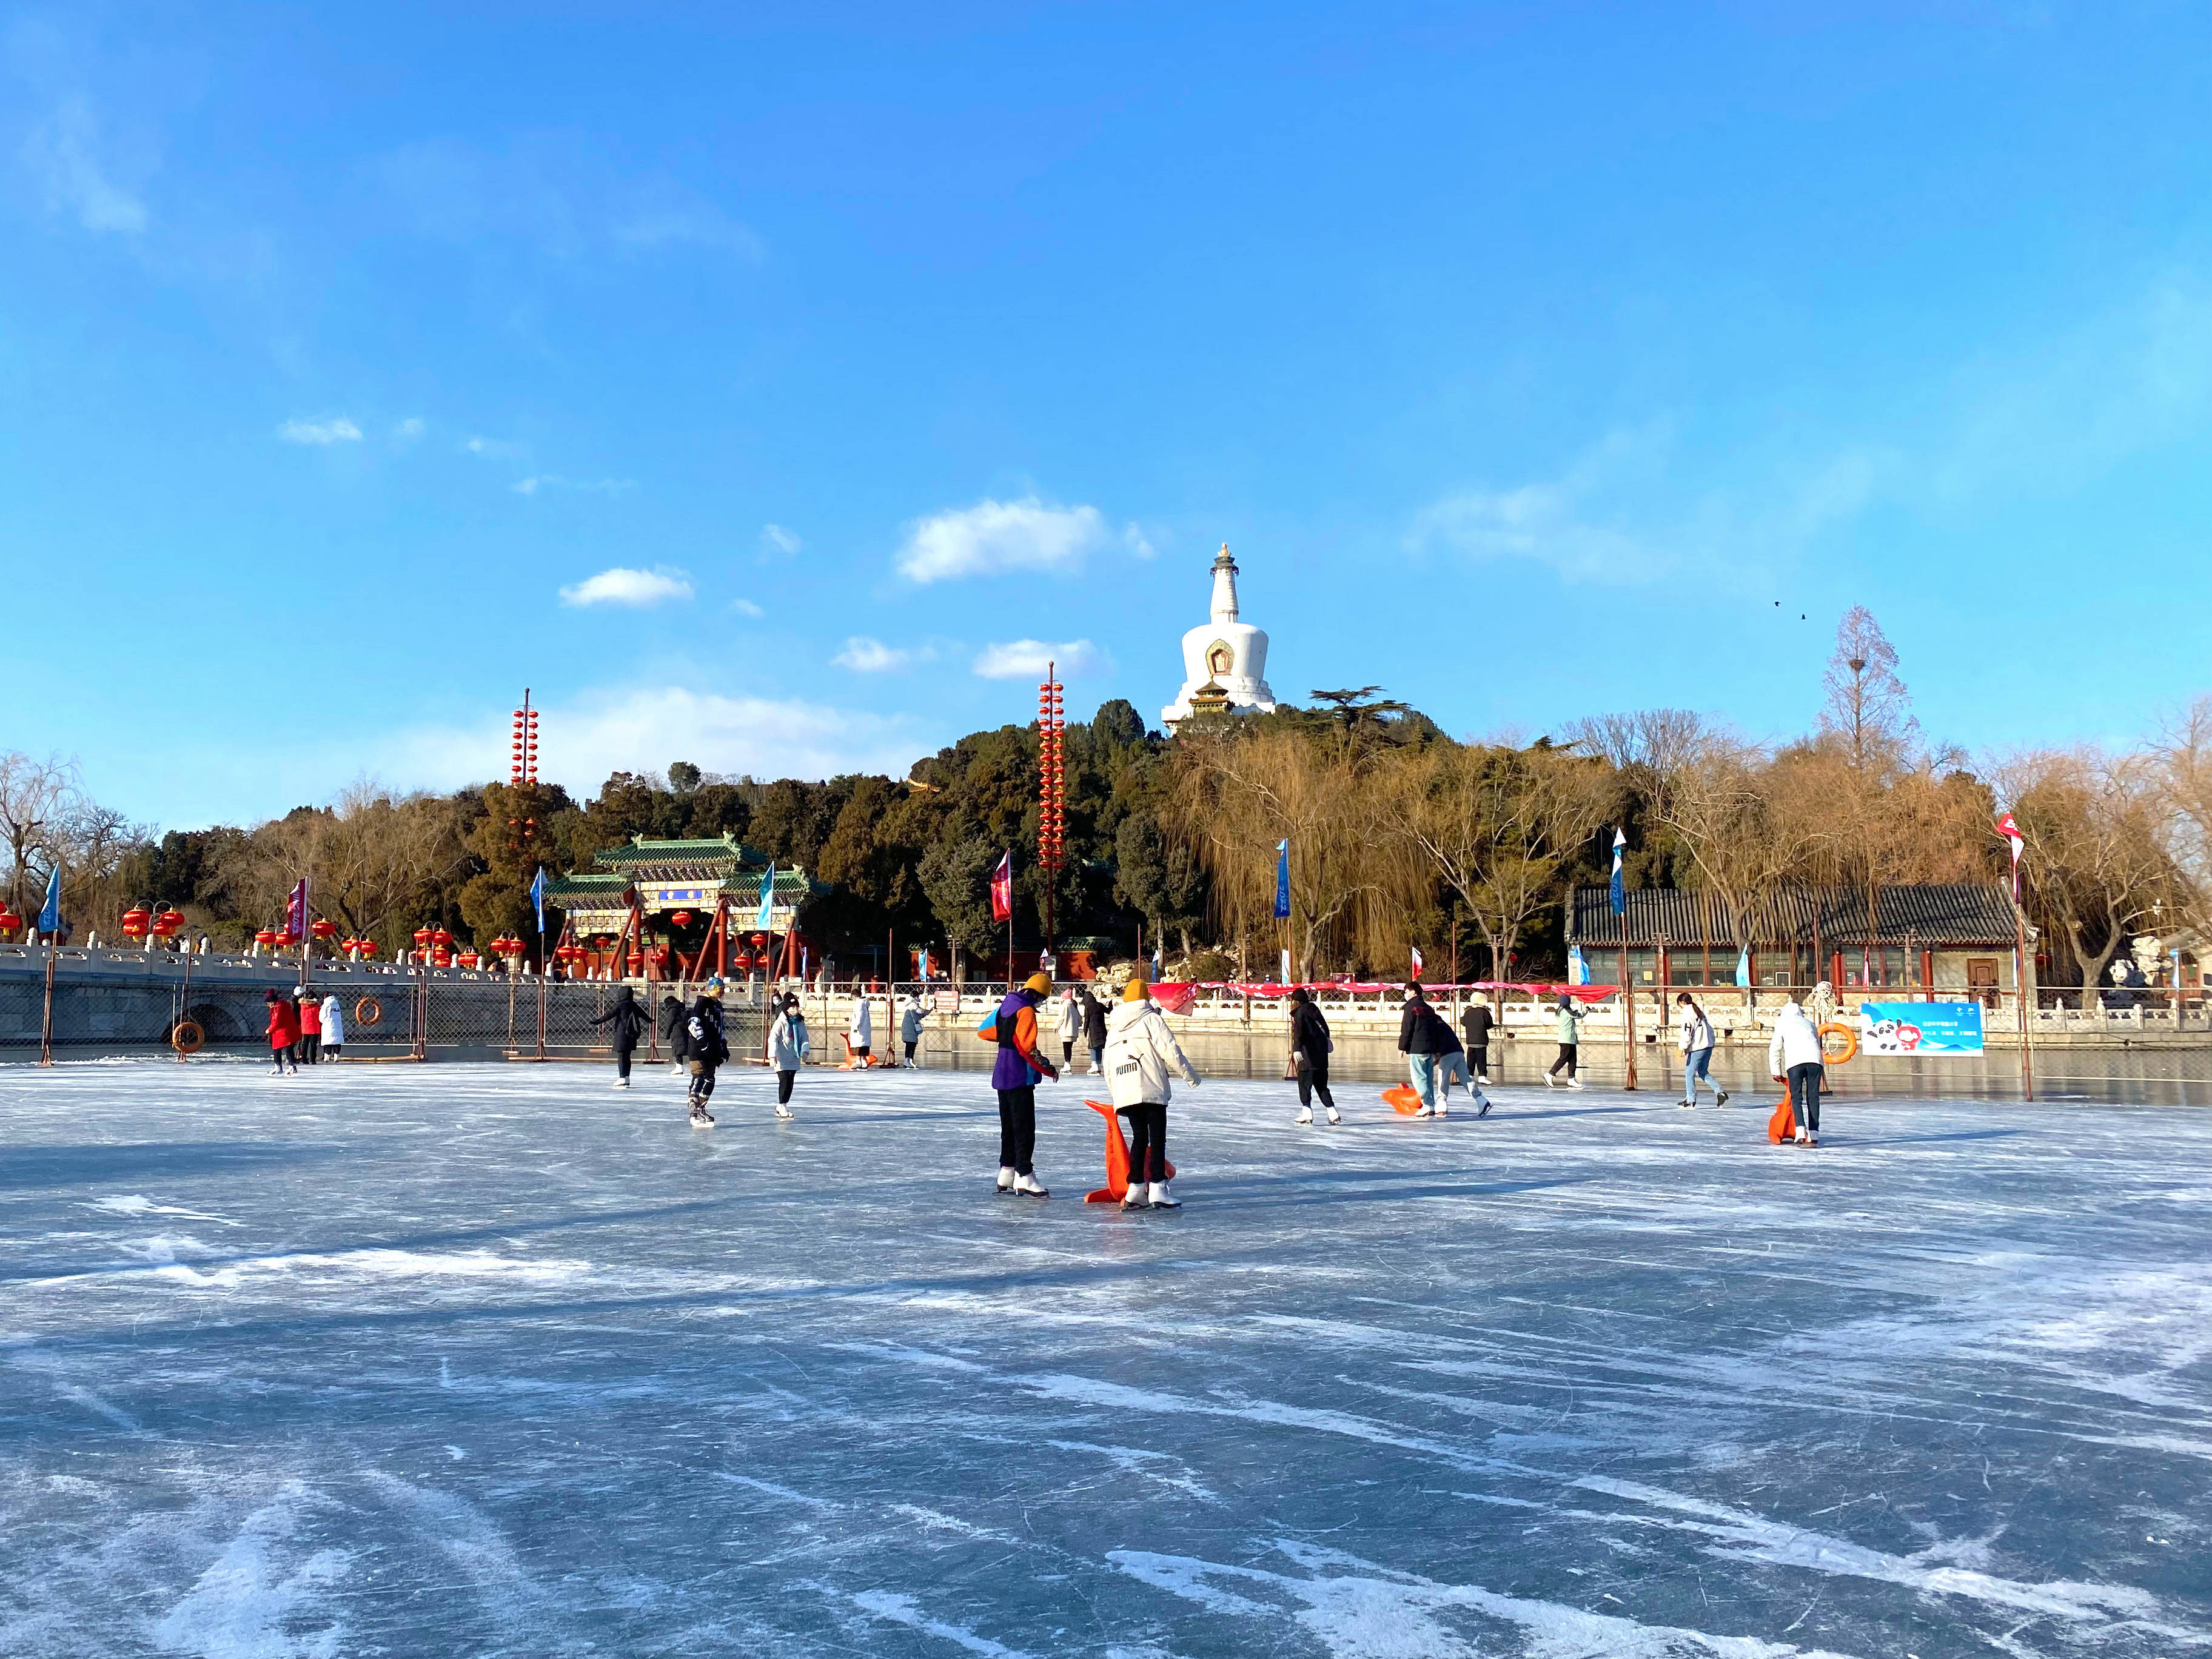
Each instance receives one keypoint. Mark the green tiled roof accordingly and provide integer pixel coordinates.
(705, 850)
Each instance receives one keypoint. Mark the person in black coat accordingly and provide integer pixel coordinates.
(706, 1046)
(1475, 1024)
(1309, 1050)
(628, 1022)
(672, 1023)
(1094, 1028)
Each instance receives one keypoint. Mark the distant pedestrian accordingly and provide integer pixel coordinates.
(1020, 1067)
(706, 1048)
(673, 1028)
(1475, 1024)
(630, 1022)
(1794, 1056)
(859, 1035)
(311, 1027)
(1071, 1025)
(1094, 1030)
(333, 1025)
(1310, 1047)
(1693, 1035)
(1570, 1024)
(1140, 1049)
(284, 1033)
(910, 1020)
(788, 1046)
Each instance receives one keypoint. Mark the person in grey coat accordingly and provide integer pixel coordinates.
(788, 1046)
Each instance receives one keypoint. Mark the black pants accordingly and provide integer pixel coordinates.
(1017, 1128)
(1805, 1095)
(311, 1048)
(1478, 1057)
(1314, 1080)
(1566, 1059)
(622, 1052)
(783, 1081)
(331, 1053)
(703, 1085)
(1067, 1052)
(1148, 1141)
(909, 1051)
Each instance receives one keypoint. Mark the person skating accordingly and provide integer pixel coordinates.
(788, 1045)
(1570, 1024)
(1693, 1035)
(1015, 1075)
(284, 1033)
(1094, 1030)
(1434, 1057)
(628, 1021)
(910, 1018)
(1310, 1047)
(706, 1048)
(673, 1028)
(1794, 1056)
(1071, 1025)
(1475, 1024)
(333, 1025)
(1140, 1049)
(311, 1027)
(860, 1030)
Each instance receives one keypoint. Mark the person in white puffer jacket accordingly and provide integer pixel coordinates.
(333, 1026)
(1794, 1056)
(1139, 1051)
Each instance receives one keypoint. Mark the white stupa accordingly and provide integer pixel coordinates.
(1224, 661)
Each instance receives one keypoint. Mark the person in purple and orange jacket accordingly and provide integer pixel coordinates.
(1015, 1076)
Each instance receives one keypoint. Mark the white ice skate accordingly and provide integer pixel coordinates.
(1005, 1178)
(1028, 1187)
(621, 1083)
(1576, 1083)
(1162, 1199)
(1550, 1082)
(1135, 1198)
(1482, 1106)
(1482, 1077)
(1336, 1117)
(782, 1110)
(1443, 1108)
(1305, 1116)
(1426, 1111)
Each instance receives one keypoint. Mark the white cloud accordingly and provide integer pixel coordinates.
(336, 430)
(409, 429)
(63, 152)
(607, 732)
(866, 656)
(494, 449)
(621, 585)
(746, 608)
(1021, 659)
(993, 536)
(774, 538)
(531, 485)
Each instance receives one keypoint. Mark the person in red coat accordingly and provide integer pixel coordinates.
(283, 1034)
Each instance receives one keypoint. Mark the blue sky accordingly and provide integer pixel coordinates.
(1526, 354)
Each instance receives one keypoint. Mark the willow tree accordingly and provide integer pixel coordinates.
(1493, 826)
(1237, 792)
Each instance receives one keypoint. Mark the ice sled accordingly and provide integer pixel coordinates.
(853, 1061)
(1402, 1099)
(1117, 1159)
(1783, 1125)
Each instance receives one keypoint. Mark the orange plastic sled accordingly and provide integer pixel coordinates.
(853, 1063)
(1402, 1099)
(1117, 1159)
(1783, 1125)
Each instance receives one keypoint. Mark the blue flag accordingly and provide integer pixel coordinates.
(50, 918)
(1619, 891)
(1743, 964)
(538, 898)
(1577, 966)
(1283, 880)
(767, 916)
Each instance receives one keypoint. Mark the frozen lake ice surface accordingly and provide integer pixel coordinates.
(492, 1359)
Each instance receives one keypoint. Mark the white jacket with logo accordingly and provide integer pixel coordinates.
(1696, 1032)
(333, 1023)
(1796, 1042)
(1140, 1050)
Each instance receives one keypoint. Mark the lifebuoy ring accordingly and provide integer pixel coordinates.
(368, 1012)
(186, 1037)
(1846, 1046)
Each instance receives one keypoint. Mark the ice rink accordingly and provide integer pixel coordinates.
(492, 1359)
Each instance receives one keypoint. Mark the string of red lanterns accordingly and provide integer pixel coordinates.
(1052, 788)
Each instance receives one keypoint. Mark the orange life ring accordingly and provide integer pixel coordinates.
(186, 1037)
(1849, 1048)
(368, 1012)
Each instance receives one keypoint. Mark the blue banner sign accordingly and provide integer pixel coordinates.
(1920, 1027)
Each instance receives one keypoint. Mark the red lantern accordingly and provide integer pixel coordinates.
(441, 957)
(422, 937)
(136, 921)
(9, 921)
(265, 937)
(682, 919)
(760, 941)
(441, 938)
(469, 958)
(167, 924)
(322, 927)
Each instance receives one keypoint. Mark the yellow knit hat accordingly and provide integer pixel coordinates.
(1136, 990)
(1041, 983)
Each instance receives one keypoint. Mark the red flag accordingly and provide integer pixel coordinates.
(1417, 962)
(1002, 888)
(2010, 831)
(295, 913)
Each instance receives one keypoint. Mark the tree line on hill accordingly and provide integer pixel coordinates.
(1399, 836)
